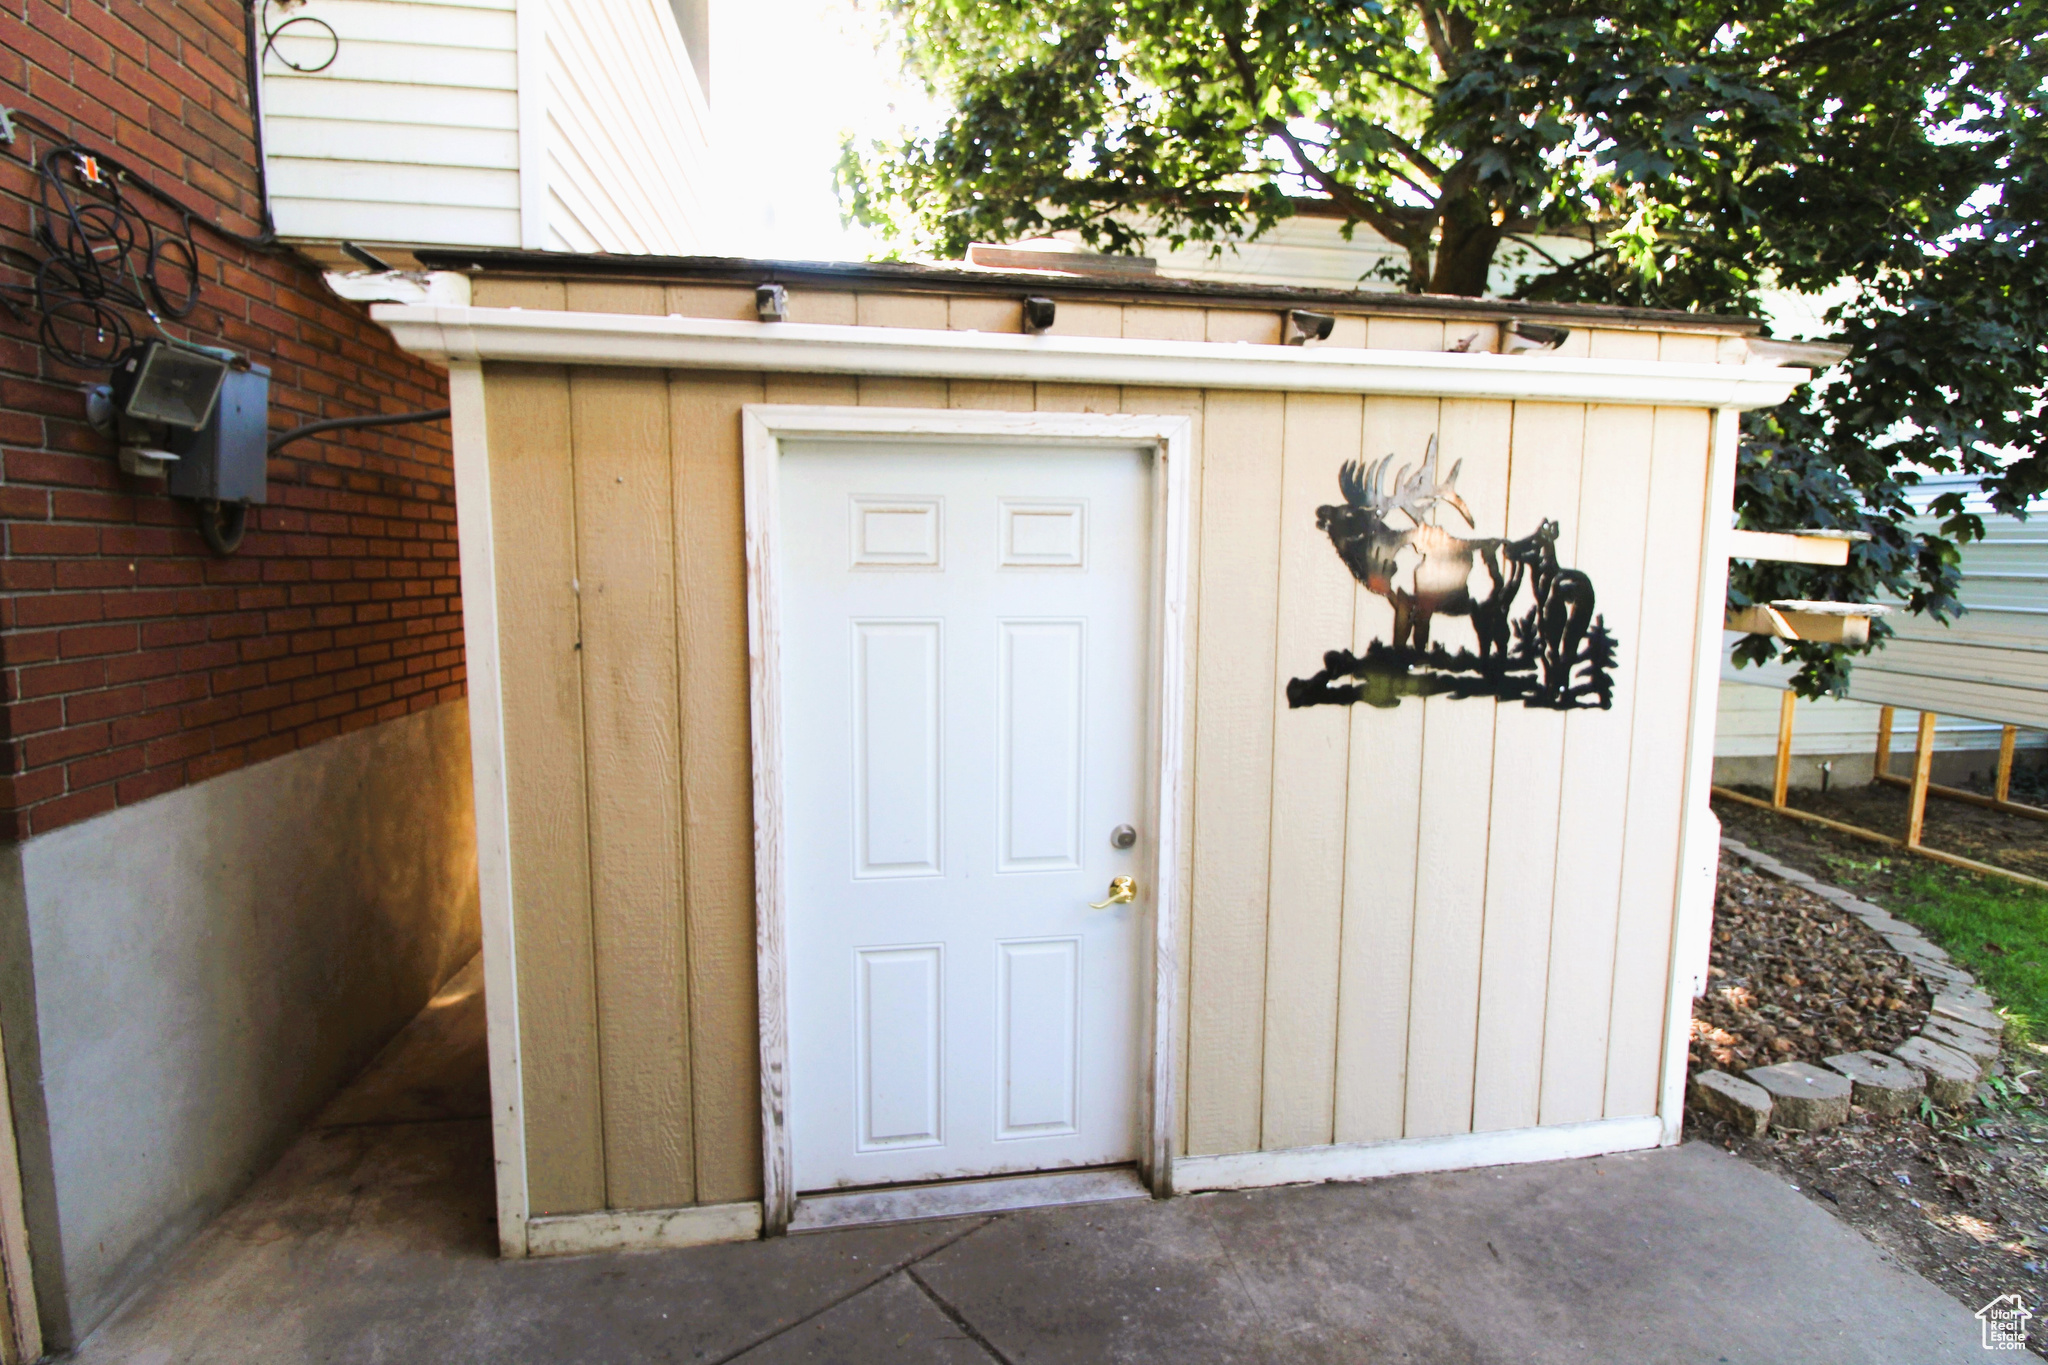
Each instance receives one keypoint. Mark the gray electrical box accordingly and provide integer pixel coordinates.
(229, 459)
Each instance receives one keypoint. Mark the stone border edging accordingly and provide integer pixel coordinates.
(1955, 1049)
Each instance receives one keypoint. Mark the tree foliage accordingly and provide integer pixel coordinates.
(1885, 152)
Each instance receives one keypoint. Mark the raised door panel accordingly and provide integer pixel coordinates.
(1038, 1003)
(897, 787)
(902, 1047)
(1040, 687)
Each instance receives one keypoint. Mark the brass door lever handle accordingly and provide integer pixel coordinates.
(1122, 891)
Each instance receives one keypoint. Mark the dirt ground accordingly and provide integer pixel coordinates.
(1989, 836)
(1960, 1196)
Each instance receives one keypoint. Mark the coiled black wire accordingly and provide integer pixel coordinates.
(103, 255)
(272, 32)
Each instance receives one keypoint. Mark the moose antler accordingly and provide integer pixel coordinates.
(1366, 487)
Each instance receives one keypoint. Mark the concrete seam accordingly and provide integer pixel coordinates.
(955, 1316)
(863, 1287)
(1258, 1309)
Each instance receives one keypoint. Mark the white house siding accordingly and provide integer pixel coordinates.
(628, 152)
(411, 136)
(1983, 670)
(1312, 251)
(1991, 662)
(1747, 724)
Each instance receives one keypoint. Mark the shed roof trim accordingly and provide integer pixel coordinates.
(448, 334)
(961, 278)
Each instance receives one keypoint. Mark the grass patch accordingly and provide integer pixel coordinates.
(1996, 930)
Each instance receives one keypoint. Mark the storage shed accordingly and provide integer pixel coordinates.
(933, 756)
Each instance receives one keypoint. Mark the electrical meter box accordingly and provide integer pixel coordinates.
(230, 456)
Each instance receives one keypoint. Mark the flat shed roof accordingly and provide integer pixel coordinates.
(913, 277)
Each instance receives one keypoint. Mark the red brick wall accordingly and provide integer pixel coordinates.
(134, 661)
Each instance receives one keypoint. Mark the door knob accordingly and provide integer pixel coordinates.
(1122, 891)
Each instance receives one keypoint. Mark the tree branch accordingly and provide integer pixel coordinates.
(1439, 41)
(1574, 266)
(1413, 153)
(1382, 221)
(1531, 244)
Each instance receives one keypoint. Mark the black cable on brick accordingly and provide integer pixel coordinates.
(102, 254)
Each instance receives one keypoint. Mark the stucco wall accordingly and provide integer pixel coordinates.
(207, 968)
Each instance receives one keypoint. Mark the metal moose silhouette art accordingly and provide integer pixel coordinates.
(1555, 653)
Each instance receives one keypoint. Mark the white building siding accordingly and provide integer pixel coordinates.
(1992, 661)
(411, 136)
(628, 155)
(1985, 669)
(1747, 725)
(1311, 250)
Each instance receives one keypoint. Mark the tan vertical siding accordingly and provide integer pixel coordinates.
(730, 302)
(1649, 875)
(500, 292)
(926, 311)
(1528, 767)
(1614, 492)
(614, 296)
(1004, 316)
(625, 552)
(822, 305)
(835, 390)
(1074, 318)
(1230, 324)
(718, 811)
(1180, 324)
(1452, 849)
(533, 514)
(1382, 826)
(1305, 881)
(1238, 591)
(1382, 809)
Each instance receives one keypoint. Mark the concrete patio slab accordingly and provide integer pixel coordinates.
(1681, 1255)
(371, 1243)
(894, 1321)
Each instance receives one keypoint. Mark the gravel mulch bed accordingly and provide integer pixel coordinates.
(1793, 979)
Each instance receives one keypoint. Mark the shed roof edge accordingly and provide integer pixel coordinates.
(925, 278)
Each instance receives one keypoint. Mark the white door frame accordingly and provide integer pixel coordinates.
(1170, 440)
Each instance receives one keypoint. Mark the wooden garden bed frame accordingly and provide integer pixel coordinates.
(1918, 785)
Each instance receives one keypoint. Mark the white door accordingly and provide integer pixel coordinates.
(963, 654)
